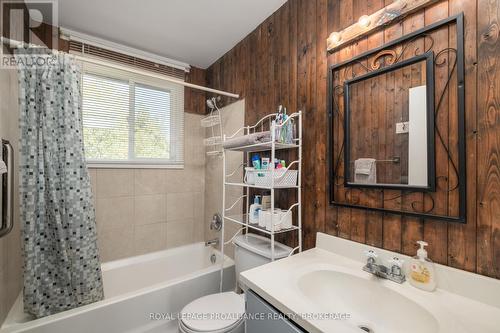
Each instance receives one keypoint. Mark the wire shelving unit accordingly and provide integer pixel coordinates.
(272, 146)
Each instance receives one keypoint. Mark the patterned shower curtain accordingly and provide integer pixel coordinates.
(61, 260)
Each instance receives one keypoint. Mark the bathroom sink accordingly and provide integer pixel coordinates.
(372, 306)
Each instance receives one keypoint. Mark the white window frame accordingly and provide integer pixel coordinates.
(155, 83)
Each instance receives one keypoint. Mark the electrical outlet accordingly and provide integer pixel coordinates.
(403, 127)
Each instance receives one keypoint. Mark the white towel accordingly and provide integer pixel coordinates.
(247, 140)
(365, 171)
(3, 168)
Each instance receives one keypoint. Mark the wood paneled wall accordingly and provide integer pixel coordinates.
(194, 100)
(284, 61)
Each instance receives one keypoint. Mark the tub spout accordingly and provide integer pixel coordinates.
(213, 242)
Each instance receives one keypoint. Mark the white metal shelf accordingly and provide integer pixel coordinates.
(239, 219)
(261, 187)
(271, 146)
(264, 146)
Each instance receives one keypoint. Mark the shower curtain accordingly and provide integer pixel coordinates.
(61, 260)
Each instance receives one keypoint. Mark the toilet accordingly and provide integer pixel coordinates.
(224, 312)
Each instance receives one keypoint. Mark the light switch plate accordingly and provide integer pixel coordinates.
(403, 127)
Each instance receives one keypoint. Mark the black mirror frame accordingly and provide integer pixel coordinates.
(428, 57)
(458, 20)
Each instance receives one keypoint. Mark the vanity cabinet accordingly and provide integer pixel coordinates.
(263, 317)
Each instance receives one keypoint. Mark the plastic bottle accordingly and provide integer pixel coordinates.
(421, 272)
(254, 210)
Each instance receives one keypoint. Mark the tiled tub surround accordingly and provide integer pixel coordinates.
(146, 210)
(233, 117)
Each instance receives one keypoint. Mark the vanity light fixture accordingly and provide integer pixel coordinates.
(368, 24)
(335, 38)
(364, 21)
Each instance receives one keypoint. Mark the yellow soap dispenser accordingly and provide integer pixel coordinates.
(421, 270)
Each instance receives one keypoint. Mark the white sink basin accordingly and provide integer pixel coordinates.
(318, 286)
(370, 305)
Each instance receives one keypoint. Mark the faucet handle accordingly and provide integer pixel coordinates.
(395, 261)
(371, 258)
(396, 266)
(371, 254)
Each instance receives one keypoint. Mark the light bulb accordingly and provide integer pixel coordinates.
(364, 21)
(334, 38)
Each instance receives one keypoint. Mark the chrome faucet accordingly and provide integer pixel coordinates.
(212, 242)
(394, 273)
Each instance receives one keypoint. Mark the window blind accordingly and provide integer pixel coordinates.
(124, 59)
(131, 119)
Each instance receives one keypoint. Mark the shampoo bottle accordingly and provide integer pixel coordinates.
(421, 271)
(254, 210)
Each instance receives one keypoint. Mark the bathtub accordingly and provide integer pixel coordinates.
(142, 294)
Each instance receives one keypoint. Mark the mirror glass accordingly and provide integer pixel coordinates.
(390, 127)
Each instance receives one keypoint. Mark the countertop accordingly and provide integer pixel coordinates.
(277, 284)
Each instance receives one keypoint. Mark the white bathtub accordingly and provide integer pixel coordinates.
(142, 294)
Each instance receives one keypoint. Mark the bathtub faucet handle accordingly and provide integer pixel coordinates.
(213, 242)
(216, 223)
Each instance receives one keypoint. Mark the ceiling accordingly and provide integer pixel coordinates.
(197, 32)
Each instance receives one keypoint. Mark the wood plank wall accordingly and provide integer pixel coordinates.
(194, 100)
(284, 61)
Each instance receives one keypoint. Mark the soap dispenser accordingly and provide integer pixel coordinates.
(254, 210)
(421, 270)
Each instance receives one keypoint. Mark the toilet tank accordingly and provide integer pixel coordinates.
(252, 251)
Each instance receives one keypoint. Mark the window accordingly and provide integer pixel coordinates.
(130, 119)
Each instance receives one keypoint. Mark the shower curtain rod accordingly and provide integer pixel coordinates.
(133, 70)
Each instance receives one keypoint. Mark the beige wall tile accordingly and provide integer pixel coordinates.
(149, 181)
(199, 204)
(150, 209)
(141, 200)
(115, 212)
(199, 229)
(197, 182)
(115, 183)
(180, 232)
(180, 206)
(233, 118)
(191, 179)
(93, 181)
(150, 238)
(116, 243)
(175, 181)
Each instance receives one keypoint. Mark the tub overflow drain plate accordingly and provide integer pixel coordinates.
(366, 329)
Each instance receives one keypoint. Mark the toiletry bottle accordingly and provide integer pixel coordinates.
(421, 271)
(256, 161)
(266, 201)
(254, 210)
(265, 163)
(277, 123)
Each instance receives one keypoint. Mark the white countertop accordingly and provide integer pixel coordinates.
(454, 311)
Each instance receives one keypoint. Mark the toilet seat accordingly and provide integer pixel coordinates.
(217, 313)
(235, 328)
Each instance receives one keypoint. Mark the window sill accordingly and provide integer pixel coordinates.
(131, 166)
